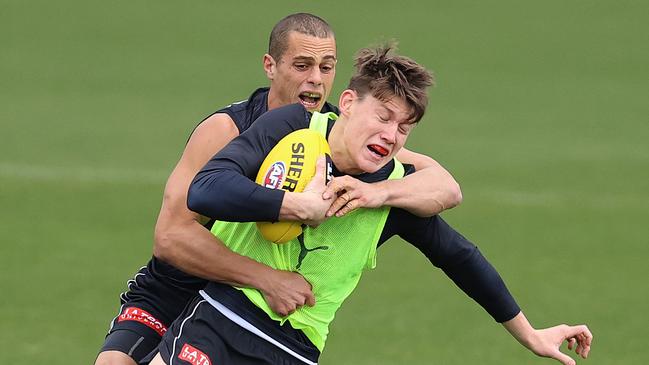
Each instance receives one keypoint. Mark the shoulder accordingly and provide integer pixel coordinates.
(211, 135)
(215, 125)
(294, 115)
(328, 107)
(243, 113)
(270, 128)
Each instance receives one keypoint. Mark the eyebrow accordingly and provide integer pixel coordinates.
(311, 59)
(392, 113)
(388, 110)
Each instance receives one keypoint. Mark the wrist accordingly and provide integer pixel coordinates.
(292, 208)
(521, 329)
(263, 279)
(385, 193)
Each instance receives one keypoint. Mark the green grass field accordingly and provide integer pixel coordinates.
(541, 112)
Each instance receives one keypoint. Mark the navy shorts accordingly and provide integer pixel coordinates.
(202, 335)
(156, 295)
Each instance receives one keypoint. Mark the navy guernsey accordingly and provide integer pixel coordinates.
(243, 113)
(158, 292)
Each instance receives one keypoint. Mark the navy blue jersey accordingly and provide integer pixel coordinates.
(224, 190)
(158, 292)
(245, 112)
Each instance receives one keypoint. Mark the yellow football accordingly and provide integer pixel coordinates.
(289, 166)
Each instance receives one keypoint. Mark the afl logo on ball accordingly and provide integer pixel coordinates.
(275, 175)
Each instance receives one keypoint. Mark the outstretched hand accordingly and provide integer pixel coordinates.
(547, 342)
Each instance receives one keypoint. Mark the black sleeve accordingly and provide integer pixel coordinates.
(457, 257)
(225, 190)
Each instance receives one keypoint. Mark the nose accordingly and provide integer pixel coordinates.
(389, 133)
(315, 76)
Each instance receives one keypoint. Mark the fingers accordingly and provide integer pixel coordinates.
(290, 307)
(582, 336)
(563, 358)
(349, 194)
(337, 185)
(320, 173)
(571, 344)
(350, 206)
(284, 310)
(310, 299)
(340, 202)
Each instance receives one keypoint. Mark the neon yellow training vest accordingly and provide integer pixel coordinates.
(331, 257)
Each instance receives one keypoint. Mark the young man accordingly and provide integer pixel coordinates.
(300, 65)
(234, 325)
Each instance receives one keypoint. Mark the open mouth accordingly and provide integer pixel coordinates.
(378, 150)
(310, 100)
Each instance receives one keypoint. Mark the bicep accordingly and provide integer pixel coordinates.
(206, 140)
(416, 159)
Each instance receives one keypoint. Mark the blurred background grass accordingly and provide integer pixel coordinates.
(541, 112)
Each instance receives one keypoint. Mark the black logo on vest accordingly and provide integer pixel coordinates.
(305, 251)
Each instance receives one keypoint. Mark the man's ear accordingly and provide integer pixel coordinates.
(346, 100)
(269, 66)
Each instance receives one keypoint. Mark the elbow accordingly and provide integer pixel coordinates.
(195, 200)
(454, 195)
(163, 244)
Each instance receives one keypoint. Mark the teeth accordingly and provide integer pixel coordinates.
(311, 95)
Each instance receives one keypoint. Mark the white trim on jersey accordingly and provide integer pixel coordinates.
(248, 326)
(235, 103)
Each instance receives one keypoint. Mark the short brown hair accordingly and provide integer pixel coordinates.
(385, 75)
(304, 23)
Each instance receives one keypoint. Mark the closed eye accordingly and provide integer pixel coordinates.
(405, 128)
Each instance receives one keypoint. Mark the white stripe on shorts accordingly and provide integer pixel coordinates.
(180, 332)
(248, 326)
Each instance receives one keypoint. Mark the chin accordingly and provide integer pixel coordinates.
(371, 167)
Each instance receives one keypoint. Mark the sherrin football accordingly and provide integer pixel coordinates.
(289, 166)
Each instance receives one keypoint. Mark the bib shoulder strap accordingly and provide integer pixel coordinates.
(319, 121)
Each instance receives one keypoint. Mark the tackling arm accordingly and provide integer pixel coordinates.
(428, 191)
(224, 188)
(181, 240)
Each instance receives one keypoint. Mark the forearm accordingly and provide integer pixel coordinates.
(226, 195)
(521, 329)
(420, 193)
(458, 257)
(428, 191)
(193, 249)
(480, 281)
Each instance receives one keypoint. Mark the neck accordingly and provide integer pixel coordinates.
(273, 100)
(339, 152)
